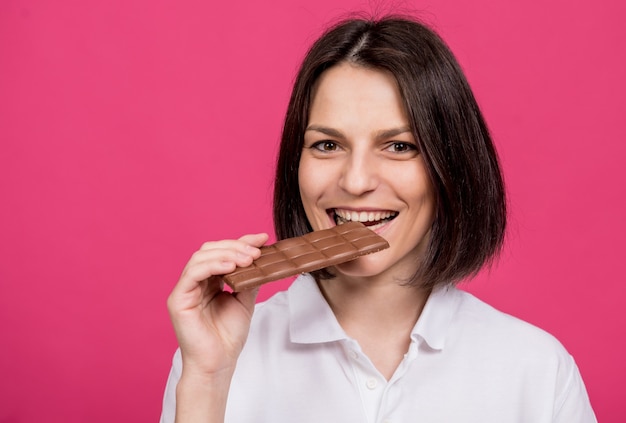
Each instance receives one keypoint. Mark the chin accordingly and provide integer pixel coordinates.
(362, 267)
(383, 263)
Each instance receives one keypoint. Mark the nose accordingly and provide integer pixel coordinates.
(359, 174)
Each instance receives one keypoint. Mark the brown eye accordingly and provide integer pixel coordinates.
(401, 147)
(325, 146)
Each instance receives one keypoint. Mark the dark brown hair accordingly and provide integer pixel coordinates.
(469, 225)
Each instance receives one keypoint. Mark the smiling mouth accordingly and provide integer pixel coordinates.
(372, 219)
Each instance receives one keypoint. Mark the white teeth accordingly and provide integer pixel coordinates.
(374, 227)
(347, 215)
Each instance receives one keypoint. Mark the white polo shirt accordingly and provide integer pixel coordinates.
(467, 362)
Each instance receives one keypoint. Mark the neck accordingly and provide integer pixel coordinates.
(380, 316)
(375, 305)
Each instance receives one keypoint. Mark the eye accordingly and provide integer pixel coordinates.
(325, 146)
(401, 147)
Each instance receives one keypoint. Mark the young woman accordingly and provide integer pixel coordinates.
(382, 128)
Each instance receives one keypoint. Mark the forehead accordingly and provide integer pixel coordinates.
(348, 94)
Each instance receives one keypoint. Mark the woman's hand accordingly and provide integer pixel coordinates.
(211, 324)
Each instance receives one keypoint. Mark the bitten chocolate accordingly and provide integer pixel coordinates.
(313, 251)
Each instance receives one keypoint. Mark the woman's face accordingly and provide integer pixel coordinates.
(360, 162)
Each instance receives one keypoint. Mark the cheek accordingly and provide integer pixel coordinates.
(303, 180)
(307, 183)
(414, 186)
(312, 179)
(427, 206)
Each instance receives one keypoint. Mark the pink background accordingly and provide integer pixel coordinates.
(133, 130)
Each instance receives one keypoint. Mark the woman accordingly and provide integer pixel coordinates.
(383, 128)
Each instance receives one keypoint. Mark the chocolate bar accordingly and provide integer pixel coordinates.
(313, 251)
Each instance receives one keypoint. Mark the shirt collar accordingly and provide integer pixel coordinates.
(436, 318)
(312, 321)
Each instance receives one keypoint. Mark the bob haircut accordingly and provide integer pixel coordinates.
(453, 139)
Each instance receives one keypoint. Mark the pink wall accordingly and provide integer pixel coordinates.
(133, 130)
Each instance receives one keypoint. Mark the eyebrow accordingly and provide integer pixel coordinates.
(331, 132)
(390, 133)
(325, 130)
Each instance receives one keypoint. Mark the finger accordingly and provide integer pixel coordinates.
(207, 268)
(188, 294)
(255, 240)
(238, 251)
(241, 257)
(219, 258)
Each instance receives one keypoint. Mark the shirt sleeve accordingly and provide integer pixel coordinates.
(572, 404)
(168, 412)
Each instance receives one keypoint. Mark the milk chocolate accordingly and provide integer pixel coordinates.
(313, 251)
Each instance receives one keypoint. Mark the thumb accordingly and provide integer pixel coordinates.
(247, 298)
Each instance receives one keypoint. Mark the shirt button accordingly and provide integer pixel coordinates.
(354, 355)
(371, 383)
